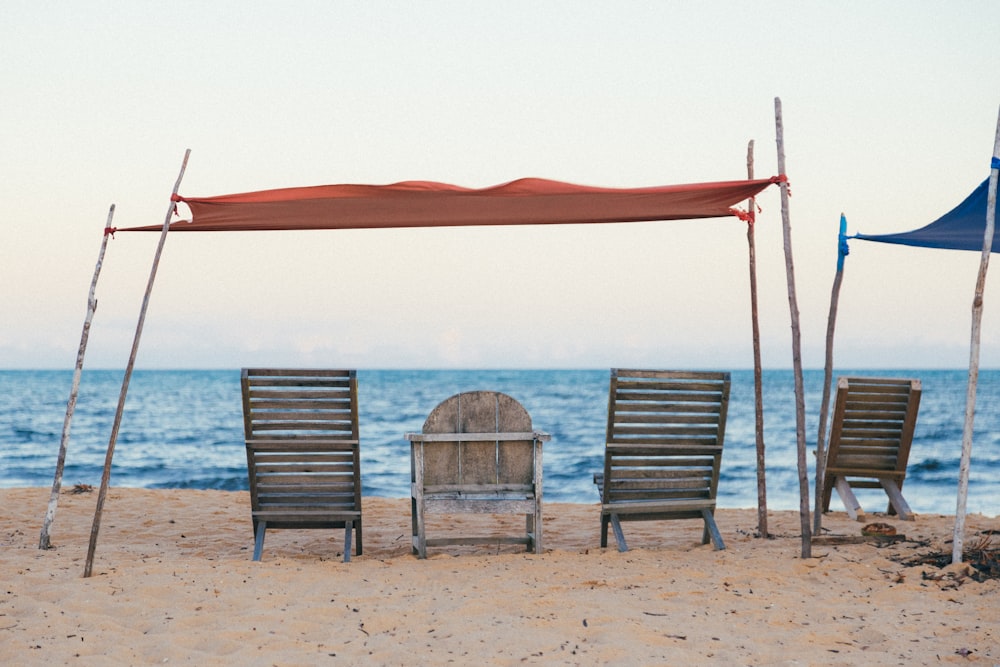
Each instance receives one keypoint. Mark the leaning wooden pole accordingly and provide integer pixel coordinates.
(758, 388)
(106, 477)
(50, 514)
(824, 408)
(977, 318)
(793, 307)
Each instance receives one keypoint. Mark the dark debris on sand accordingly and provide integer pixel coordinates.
(982, 556)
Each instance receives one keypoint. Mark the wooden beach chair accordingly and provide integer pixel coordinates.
(477, 453)
(870, 436)
(663, 449)
(303, 455)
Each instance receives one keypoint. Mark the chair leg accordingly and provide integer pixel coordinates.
(712, 530)
(537, 527)
(616, 526)
(828, 484)
(896, 500)
(348, 527)
(604, 531)
(421, 541)
(414, 529)
(258, 546)
(357, 535)
(847, 497)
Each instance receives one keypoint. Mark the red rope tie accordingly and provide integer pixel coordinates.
(745, 216)
(110, 231)
(174, 197)
(783, 178)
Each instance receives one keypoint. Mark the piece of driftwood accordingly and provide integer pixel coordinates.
(303, 451)
(857, 539)
(663, 449)
(965, 460)
(758, 385)
(44, 540)
(127, 378)
(793, 307)
(477, 453)
(824, 409)
(870, 436)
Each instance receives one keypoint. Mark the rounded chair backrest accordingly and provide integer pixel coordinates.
(478, 412)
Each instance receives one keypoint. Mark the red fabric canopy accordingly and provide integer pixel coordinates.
(529, 201)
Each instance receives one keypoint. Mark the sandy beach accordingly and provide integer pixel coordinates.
(174, 584)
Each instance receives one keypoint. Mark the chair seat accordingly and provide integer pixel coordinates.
(875, 473)
(306, 516)
(659, 506)
(471, 490)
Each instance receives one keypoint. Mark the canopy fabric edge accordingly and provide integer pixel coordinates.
(961, 228)
(529, 201)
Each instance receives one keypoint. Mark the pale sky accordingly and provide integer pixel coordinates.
(890, 112)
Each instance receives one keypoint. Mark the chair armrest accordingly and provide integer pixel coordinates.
(474, 437)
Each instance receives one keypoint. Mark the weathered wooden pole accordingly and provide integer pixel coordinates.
(50, 514)
(757, 366)
(824, 408)
(106, 477)
(793, 307)
(977, 318)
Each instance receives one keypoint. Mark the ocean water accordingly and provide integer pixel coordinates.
(183, 429)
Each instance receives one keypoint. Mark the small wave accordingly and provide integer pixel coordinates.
(25, 435)
(931, 465)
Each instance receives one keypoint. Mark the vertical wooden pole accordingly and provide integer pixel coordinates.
(757, 366)
(106, 477)
(824, 408)
(800, 407)
(50, 514)
(977, 318)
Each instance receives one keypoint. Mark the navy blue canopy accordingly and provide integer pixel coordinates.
(962, 228)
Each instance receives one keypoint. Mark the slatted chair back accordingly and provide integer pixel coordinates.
(303, 451)
(871, 432)
(663, 451)
(477, 453)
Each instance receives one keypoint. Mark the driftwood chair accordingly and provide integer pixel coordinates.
(663, 450)
(477, 453)
(303, 456)
(870, 436)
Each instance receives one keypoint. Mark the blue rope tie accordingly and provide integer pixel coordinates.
(842, 248)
